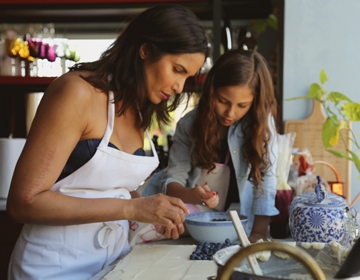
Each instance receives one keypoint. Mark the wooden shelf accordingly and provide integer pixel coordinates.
(8, 80)
(24, 84)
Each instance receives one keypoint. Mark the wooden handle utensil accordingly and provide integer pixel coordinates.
(244, 241)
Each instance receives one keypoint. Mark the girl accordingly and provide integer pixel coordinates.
(83, 160)
(234, 119)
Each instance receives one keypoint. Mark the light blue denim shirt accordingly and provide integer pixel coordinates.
(182, 170)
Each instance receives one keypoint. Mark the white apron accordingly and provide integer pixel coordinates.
(218, 181)
(80, 251)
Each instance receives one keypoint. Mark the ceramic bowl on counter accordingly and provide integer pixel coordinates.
(212, 226)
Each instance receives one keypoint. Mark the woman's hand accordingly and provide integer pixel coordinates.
(204, 194)
(159, 209)
(170, 233)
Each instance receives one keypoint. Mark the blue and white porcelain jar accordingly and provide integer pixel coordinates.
(318, 219)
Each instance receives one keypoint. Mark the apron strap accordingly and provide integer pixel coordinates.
(152, 146)
(110, 125)
(106, 239)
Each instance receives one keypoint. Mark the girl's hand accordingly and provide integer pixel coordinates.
(173, 233)
(159, 209)
(204, 194)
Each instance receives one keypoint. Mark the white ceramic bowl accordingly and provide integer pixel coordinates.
(203, 228)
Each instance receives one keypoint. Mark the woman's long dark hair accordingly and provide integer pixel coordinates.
(166, 29)
(237, 67)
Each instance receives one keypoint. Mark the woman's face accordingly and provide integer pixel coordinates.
(232, 103)
(168, 75)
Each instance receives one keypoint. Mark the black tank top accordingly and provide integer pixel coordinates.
(83, 152)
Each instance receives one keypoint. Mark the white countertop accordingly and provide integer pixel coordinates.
(185, 240)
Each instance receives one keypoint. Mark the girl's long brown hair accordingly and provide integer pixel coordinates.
(165, 29)
(237, 67)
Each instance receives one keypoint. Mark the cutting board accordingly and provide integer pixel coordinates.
(308, 135)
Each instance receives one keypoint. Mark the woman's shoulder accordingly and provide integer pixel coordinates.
(71, 82)
(71, 92)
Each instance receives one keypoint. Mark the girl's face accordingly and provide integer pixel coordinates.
(232, 103)
(168, 75)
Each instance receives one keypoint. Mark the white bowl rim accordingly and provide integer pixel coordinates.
(189, 221)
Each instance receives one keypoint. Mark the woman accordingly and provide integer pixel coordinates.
(92, 120)
(234, 117)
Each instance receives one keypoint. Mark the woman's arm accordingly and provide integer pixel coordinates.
(260, 228)
(63, 118)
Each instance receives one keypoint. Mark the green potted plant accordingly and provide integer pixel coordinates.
(332, 128)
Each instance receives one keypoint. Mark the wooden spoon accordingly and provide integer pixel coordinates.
(244, 241)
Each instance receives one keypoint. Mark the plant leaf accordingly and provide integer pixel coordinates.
(337, 97)
(350, 140)
(258, 25)
(334, 120)
(323, 77)
(355, 159)
(315, 91)
(272, 21)
(328, 131)
(300, 97)
(339, 154)
(359, 177)
(335, 137)
(351, 110)
(303, 97)
(344, 125)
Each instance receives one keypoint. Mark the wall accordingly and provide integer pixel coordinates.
(321, 34)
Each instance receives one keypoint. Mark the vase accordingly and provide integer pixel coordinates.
(318, 221)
